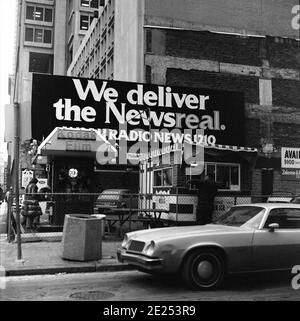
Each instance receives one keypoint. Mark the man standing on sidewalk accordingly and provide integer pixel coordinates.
(207, 190)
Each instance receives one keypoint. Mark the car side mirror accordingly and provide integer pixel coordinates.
(273, 226)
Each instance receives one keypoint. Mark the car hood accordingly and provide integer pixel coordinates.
(166, 233)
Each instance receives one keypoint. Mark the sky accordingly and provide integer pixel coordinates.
(7, 39)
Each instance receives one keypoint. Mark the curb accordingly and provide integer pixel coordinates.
(71, 269)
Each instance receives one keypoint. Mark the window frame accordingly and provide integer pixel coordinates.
(89, 5)
(43, 21)
(51, 61)
(236, 188)
(90, 20)
(34, 28)
(155, 170)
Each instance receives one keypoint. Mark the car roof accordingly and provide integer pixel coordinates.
(116, 189)
(272, 205)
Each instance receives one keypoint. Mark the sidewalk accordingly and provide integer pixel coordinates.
(44, 257)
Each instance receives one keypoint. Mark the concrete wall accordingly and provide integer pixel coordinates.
(129, 40)
(60, 40)
(266, 17)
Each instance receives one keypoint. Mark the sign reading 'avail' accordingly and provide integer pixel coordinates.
(290, 157)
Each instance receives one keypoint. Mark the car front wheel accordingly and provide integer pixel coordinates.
(203, 269)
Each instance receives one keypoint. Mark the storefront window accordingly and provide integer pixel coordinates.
(227, 175)
(222, 176)
(163, 177)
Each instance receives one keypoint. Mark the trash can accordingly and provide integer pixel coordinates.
(82, 237)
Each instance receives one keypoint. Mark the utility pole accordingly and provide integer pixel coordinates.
(16, 176)
(17, 133)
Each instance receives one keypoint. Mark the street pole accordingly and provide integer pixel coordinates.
(17, 133)
(16, 176)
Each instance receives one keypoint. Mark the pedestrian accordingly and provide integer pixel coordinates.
(207, 190)
(31, 210)
(1, 193)
(8, 193)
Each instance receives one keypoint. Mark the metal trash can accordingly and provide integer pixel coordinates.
(82, 237)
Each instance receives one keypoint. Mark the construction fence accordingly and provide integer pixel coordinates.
(45, 212)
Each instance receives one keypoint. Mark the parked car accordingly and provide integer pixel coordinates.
(280, 197)
(296, 199)
(115, 198)
(247, 238)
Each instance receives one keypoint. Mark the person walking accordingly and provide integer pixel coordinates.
(207, 190)
(8, 193)
(1, 194)
(31, 210)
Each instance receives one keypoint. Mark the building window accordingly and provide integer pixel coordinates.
(38, 35)
(85, 21)
(148, 74)
(227, 175)
(40, 62)
(37, 13)
(163, 177)
(148, 41)
(89, 3)
(70, 55)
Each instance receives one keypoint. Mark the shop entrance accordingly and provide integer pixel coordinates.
(72, 175)
(267, 181)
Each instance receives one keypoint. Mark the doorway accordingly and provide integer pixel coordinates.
(73, 177)
(266, 182)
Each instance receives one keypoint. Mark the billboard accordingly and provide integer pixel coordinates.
(131, 110)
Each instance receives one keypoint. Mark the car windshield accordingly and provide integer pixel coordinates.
(248, 216)
(109, 195)
(296, 200)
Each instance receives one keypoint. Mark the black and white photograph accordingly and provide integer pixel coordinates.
(149, 154)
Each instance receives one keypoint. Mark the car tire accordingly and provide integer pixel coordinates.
(203, 270)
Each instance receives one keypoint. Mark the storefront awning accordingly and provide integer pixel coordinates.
(74, 142)
(248, 154)
(232, 148)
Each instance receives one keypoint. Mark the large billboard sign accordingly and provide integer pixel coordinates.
(126, 110)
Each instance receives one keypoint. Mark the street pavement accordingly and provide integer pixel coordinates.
(46, 258)
(42, 254)
(137, 286)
